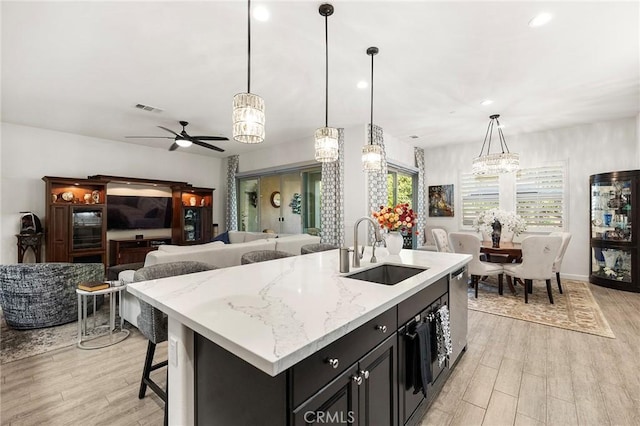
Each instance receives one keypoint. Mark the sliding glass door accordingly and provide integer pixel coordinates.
(284, 203)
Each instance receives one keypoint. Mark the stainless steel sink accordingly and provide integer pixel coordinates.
(386, 274)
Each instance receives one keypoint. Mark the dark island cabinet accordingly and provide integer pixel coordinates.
(358, 379)
(364, 394)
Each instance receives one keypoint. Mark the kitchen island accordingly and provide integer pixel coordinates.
(245, 342)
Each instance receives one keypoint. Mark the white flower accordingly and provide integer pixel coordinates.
(509, 221)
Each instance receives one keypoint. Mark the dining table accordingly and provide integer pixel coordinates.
(506, 252)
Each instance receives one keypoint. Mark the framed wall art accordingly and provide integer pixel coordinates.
(441, 201)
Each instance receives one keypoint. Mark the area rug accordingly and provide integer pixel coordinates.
(575, 309)
(20, 344)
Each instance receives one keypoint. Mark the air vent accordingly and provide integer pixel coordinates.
(148, 108)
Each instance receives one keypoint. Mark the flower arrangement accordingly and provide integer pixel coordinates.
(398, 218)
(509, 220)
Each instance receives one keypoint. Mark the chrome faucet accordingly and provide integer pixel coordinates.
(358, 255)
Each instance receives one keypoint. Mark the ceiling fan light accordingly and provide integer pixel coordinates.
(248, 118)
(371, 158)
(326, 144)
(183, 142)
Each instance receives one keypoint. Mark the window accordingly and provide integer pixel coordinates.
(540, 197)
(399, 187)
(478, 194)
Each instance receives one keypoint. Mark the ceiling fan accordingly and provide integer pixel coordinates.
(183, 139)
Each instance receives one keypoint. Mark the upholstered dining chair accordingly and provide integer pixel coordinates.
(441, 239)
(466, 243)
(262, 256)
(557, 264)
(314, 248)
(152, 322)
(538, 256)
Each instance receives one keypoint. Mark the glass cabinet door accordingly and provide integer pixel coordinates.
(611, 210)
(192, 224)
(86, 228)
(612, 264)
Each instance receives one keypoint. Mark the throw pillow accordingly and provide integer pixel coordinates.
(224, 237)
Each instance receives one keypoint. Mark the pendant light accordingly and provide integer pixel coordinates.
(371, 154)
(326, 137)
(248, 108)
(501, 162)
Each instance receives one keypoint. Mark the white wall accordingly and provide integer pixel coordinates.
(28, 154)
(588, 149)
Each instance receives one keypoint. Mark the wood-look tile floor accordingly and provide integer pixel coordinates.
(513, 373)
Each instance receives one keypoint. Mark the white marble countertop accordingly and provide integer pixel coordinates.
(274, 314)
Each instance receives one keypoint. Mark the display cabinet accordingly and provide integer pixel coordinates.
(75, 223)
(614, 259)
(192, 215)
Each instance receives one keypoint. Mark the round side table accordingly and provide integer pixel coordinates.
(113, 335)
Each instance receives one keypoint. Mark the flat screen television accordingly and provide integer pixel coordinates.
(135, 212)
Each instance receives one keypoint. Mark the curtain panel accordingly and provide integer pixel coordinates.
(231, 221)
(377, 181)
(332, 198)
(422, 204)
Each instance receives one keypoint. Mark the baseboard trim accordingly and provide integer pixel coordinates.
(584, 278)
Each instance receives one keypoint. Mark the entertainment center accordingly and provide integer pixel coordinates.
(79, 212)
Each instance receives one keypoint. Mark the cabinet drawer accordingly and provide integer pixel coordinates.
(314, 372)
(419, 301)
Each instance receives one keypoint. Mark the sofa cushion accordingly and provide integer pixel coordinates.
(180, 249)
(293, 243)
(253, 236)
(224, 237)
(236, 237)
(220, 255)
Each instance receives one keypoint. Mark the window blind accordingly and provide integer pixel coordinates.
(478, 193)
(540, 197)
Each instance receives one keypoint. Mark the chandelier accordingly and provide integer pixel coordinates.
(326, 137)
(371, 154)
(501, 162)
(248, 108)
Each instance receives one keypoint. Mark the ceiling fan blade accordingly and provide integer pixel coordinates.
(211, 138)
(149, 137)
(206, 145)
(169, 130)
(173, 147)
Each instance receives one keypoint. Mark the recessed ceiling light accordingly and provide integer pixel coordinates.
(486, 102)
(363, 85)
(261, 13)
(540, 20)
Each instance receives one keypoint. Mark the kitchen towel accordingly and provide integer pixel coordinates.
(443, 334)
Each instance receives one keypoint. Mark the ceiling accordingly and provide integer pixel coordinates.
(81, 67)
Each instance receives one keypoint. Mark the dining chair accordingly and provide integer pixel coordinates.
(557, 264)
(441, 239)
(466, 243)
(538, 255)
(257, 256)
(152, 322)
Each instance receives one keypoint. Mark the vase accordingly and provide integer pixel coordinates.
(394, 242)
(495, 235)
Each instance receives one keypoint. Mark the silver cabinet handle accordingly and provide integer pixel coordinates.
(364, 373)
(382, 328)
(333, 362)
(357, 379)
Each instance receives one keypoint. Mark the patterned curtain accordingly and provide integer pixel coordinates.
(422, 205)
(377, 181)
(332, 199)
(232, 193)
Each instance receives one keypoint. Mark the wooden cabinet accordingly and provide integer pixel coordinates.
(75, 223)
(615, 247)
(122, 251)
(192, 215)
